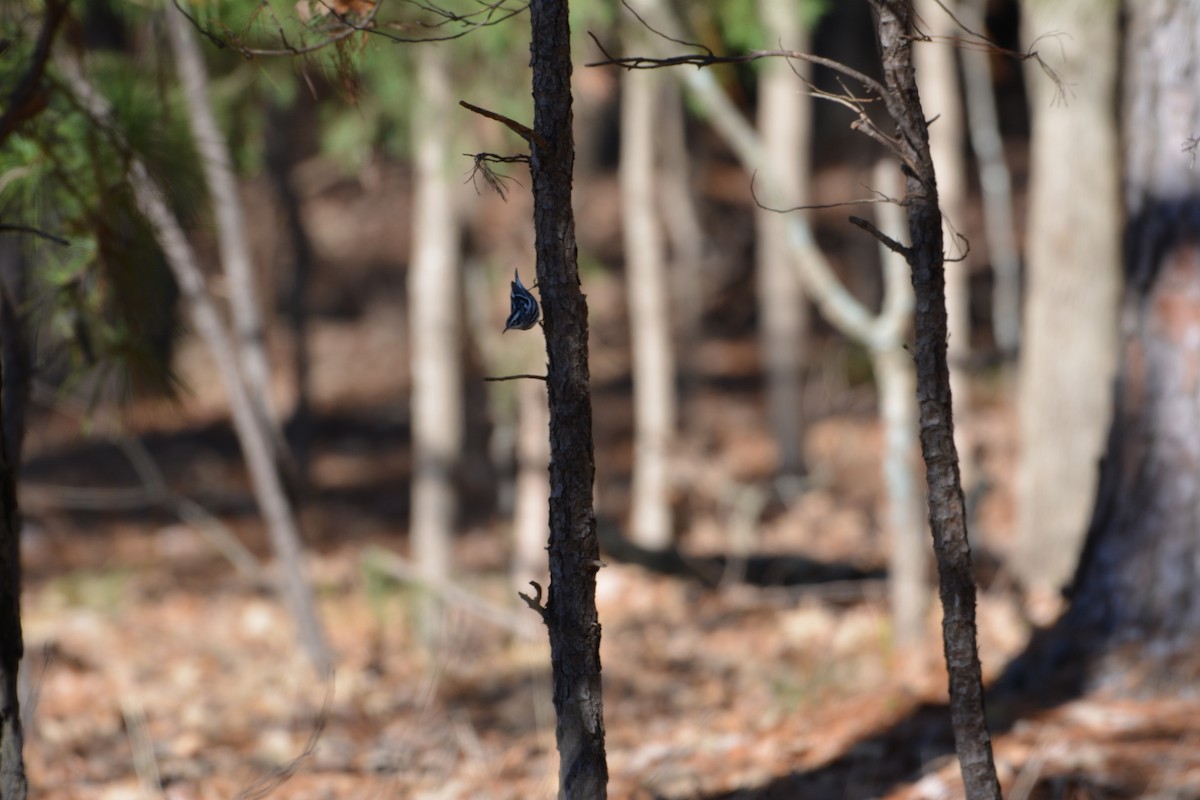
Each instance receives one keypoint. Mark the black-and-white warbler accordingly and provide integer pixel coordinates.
(524, 308)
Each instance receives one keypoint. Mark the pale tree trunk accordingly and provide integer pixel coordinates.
(232, 243)
(1073, 279)
(433, 291)
(937, 74)
(995, 182)
(253, 436)
(1134, 618)
(896, 386)
(882, 333)
(649, 316)
(532, 491)
(685, 233)
(784, 123)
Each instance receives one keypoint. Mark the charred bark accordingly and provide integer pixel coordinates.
(570, 613)
(947, 507)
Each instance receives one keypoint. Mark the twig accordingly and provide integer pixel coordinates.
(811, 206)
(280, 775)
(514, 377)
(396, 567)
(528, 134)
(13, 228)
(534, 602)
(884, 239)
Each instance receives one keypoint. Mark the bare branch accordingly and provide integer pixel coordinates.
(528, 134)
(884, 239)
(482, 169)
(809, 207)
(515, 377)
(710, 59)
(26, 100)
(344, 26)
(13, 228)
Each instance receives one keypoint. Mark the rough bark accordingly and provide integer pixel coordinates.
(433, 291)
(937, 72)
(570, 612)
(1073, 287)
(649, 315)
(784, 123)
(1136, 609)
(947, 508)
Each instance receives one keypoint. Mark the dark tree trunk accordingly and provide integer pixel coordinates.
(13, 785)
(947, 509)
(279, 162)
(570, 612)
(1136, 595)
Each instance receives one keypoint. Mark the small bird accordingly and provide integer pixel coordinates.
(524, 313)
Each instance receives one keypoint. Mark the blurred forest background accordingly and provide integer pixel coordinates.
(256, 265)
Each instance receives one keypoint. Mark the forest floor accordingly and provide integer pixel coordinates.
(154, 668)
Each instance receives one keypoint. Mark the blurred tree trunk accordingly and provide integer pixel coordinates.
(896, 386)
(685, 233)
(650, 524)
(232, 243)
(1136, 603)
(253, 436)
(937, 73)
(532, 491)
(1073, 283)
(433, 294)
(279, 163)
(995, 182)
(784, 124)
(570, 612)
(14, 382)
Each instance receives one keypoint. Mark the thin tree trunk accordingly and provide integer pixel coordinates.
(14, 394)
(1073, 281)
(649, 316)
(937, 73)
(947, 507)
(433, 293)
(983, 125)
(784, 124)
(908, 590)
(13, 784)
(685, 233)
(232, 242)
(532, 490)
(570, 612)
(254, 438)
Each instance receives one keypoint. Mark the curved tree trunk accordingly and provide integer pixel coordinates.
(1073, 283)
(1137, 578)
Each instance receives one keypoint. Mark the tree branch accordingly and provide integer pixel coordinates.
(26, 100)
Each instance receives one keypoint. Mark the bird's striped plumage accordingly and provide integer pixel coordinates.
(524, 308)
